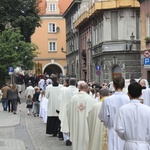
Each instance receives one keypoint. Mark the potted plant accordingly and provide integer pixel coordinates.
(147, 40)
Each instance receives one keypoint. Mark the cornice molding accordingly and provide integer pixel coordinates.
(141, 1)
(48, 59)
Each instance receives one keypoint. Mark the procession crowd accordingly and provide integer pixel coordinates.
(86, 116)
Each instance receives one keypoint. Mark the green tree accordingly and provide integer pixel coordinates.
(15, 52)
(22, 14)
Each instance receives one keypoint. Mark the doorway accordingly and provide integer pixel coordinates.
(116, 72)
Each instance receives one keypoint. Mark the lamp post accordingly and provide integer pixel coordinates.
(62, 50)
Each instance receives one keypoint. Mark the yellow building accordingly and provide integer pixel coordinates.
(51, 38)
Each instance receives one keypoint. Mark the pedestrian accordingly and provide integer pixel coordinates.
(19, 102)
(52, 94)
(4, 96)
(132, 122)
(41, 83)
(9, 97)
(108, 111)
(65, 97)
(77, 112)
(96, 127)
(26, 80)
(1, 95)
(29, 104)
(29, 90)
(145, 97)
(36, 102)
(14, 97)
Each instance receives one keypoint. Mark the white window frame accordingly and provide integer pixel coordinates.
(52, 7)
(52, 46)
(52, 28)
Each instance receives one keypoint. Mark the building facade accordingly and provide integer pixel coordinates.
(51, 37)
(145, 38)
(72, 41)
(109, 39)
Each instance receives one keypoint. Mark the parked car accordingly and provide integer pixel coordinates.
(125, 89)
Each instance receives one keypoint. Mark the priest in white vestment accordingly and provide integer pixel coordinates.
(64, 100)
(145, 93)
(132, 122)
(108, 111)
(97, 131)
(77, 112)
(52, 94)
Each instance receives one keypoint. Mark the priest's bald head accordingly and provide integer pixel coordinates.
(142, 83)
(83, 87)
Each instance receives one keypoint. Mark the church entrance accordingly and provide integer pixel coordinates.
(52, 68)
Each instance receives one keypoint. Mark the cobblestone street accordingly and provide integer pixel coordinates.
(23, 132)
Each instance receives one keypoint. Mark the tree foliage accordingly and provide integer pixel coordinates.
(15, 52)
(22, 14)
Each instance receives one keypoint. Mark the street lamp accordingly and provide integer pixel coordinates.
(132, 40)
(62, 50)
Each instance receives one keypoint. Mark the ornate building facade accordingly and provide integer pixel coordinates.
(108, 39)
(51, 37)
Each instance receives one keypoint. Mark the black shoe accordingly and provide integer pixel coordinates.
(68, 143)
(15, 113)
(54, 135)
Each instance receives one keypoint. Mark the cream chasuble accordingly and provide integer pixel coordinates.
(77, 112)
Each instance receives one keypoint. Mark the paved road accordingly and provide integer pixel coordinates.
(23, 132)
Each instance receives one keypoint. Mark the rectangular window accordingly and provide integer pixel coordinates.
(114, 25)
(52, 46)
(52, 7)
(52, 27)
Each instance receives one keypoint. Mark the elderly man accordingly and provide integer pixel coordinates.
(77, 111)
(145, 93)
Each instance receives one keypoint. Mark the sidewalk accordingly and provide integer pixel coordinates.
(8, 119)
(7, 122)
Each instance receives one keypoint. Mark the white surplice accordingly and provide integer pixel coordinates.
(65, 98)
(52, 94)
(107, 114)
(132, 123)
(96, 129)
(77, 113)
(41, 106)
(146, 96)
(44, 108)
